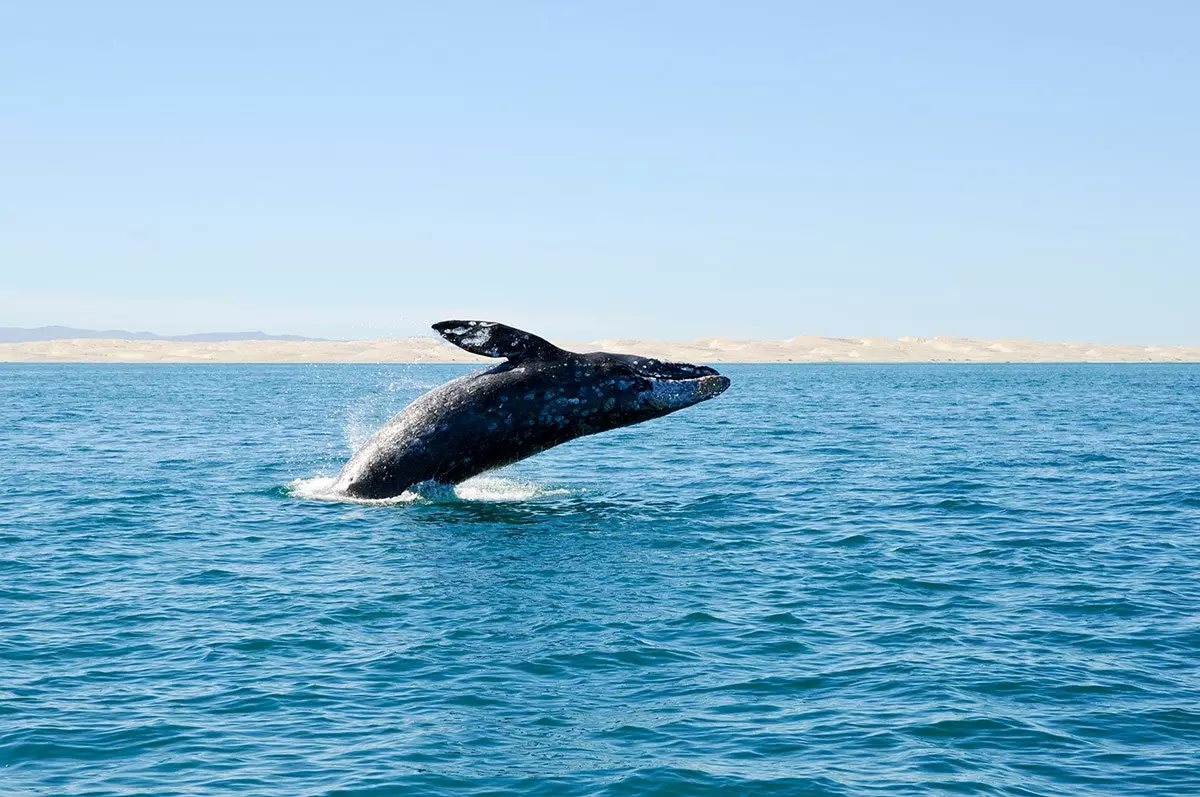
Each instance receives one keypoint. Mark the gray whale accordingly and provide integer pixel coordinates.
(539, 397)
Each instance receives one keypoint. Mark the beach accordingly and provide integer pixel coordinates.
(801, 349)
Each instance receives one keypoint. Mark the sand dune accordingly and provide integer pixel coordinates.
(805, 348)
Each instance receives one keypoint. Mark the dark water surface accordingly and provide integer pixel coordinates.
(832, 580)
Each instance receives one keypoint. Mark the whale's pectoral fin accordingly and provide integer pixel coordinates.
(494, 340)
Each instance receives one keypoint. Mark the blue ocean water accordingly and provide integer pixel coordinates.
(832, 580)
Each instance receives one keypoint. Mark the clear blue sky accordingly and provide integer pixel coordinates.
(648, 169)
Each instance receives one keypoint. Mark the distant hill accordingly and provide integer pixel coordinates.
(23, 335)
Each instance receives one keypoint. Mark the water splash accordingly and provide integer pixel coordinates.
(481, 489)
(499, 489)
(371, 411)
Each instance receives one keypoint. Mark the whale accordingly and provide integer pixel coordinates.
(541, 396)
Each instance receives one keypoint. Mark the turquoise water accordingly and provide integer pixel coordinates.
(832, 580)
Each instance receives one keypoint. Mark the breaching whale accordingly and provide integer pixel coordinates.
(539, 397)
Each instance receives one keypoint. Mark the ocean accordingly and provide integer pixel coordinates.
(831, 580)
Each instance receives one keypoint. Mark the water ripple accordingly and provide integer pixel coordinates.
(835, 580)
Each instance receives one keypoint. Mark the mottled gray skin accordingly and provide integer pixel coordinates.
(541, 397)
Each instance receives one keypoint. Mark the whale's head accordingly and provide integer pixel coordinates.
(633, 389)
(673, 386)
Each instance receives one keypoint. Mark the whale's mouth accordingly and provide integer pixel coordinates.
(674, 394)
(674, 386)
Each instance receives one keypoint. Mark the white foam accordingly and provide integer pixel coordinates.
(321, 488)
(498, 489)
(482, 489)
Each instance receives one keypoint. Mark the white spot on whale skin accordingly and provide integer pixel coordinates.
(477, 339)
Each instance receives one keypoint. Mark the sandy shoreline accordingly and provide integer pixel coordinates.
(807, 348)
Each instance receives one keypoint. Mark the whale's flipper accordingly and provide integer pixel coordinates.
(495, 340)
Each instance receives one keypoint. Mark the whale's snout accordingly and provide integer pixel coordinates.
(675, 394)
(713, 386)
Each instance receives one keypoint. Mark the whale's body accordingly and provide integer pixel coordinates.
(540, 397)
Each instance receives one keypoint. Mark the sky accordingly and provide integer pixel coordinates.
(592, 170)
